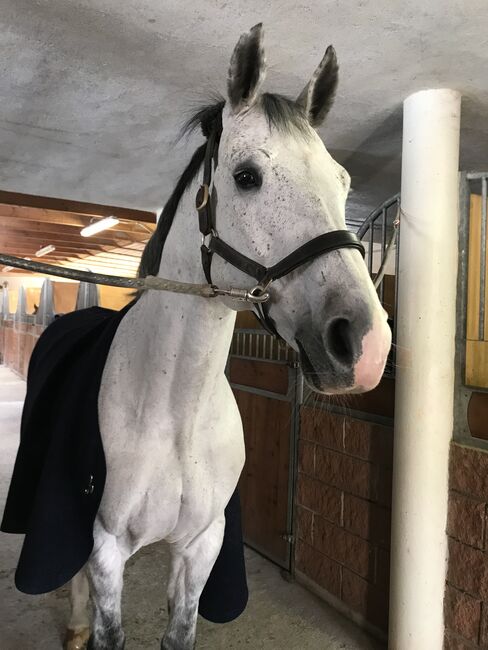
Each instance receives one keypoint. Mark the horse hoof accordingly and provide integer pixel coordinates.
(76, 639)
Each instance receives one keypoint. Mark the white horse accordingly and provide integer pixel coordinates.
(171, 430)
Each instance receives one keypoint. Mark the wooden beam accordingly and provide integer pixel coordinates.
(79, 221)
(78, 207)
(60, 256)
(35, 243)
(52, 233)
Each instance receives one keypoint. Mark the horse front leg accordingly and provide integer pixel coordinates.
(191, 564)
(105, 571)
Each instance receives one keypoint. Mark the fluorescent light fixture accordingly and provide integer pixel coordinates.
(98, 226)
(45, 250)
(7, 268)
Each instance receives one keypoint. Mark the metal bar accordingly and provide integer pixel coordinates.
(371, 245)
(383, 248)
(395, 307)
(462, 395)
(481, 334)
(294, 377)
(261, 391)
(476, 176)
(362, 230)
(364, 416)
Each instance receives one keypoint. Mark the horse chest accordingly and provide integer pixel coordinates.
(169, 478)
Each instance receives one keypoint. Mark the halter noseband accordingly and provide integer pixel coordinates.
(320, 245)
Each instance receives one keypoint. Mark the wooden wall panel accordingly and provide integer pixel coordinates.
(114, 297)
(260, 374)
(476, 371)
(264, 480)
(64, 296)
(32, 298)
(474, 265)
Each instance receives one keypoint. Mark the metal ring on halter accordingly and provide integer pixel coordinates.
(206, 193)
(212, 233)
(261, 290)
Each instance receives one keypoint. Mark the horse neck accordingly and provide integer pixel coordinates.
(182, 340)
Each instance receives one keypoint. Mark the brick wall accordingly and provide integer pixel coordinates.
(17, 341)
(466, 599)
(343, 510)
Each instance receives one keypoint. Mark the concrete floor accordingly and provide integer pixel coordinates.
(279, 614)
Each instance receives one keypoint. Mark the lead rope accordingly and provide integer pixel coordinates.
(141, 284)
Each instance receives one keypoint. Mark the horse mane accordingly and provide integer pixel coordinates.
(281, 112)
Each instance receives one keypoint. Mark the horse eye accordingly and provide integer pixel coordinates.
(246, 179)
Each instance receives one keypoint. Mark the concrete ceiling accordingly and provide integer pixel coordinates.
(92, 92)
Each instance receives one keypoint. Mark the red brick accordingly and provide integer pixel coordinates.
(466, 519)
(468, 471)
(462, 614)
(367, 519)
(304, 521)
(350, 550)
(322, 570)
(346, 473)
(454, 642)
(322, 427)
(468, 569)
(369, 441)
(306, 457)
(366, 599)
(319, 497)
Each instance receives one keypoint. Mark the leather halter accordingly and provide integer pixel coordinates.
(320, 245)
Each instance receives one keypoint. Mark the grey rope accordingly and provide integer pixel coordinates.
(149, 282)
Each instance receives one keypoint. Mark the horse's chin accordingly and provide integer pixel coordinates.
(316, 379)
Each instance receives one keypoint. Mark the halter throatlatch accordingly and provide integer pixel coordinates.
(317, 246)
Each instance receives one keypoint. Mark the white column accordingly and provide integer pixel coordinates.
(425, 367)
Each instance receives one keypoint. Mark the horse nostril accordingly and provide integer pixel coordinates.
(339, 339)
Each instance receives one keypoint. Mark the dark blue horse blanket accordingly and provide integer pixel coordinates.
(60, 471)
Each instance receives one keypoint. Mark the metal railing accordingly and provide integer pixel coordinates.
(87, 297)
(377, 233)
(258, 344)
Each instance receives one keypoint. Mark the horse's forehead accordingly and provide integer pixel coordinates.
(251, 133)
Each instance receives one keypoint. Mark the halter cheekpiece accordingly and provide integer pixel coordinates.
(212, 244)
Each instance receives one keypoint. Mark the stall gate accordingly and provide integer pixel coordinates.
(267, 382)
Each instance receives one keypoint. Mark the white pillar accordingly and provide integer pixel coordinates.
(426, 321)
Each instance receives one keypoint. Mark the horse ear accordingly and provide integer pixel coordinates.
(247, 69)
(317, 97)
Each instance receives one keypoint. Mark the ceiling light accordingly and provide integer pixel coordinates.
(98, 226)
(45, 250)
